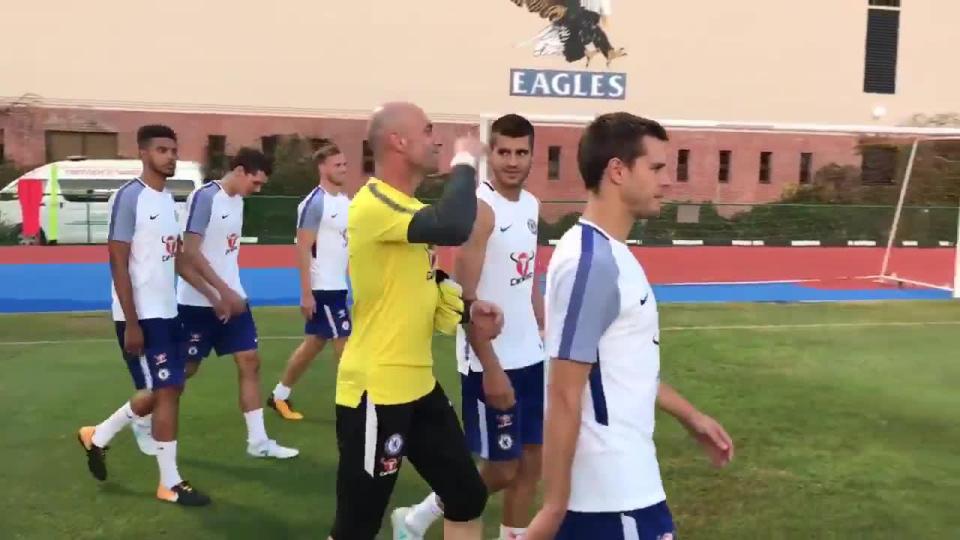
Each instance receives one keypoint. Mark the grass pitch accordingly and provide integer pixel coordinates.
(845, 419)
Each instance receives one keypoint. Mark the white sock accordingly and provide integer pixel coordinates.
(423, 515)
(107, 429)
(280, 391)
(167, 460)
(256, 432)
(143, 420)
(511, 533)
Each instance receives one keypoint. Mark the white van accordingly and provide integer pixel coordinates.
(84, 187)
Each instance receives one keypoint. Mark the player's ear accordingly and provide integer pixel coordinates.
(615, 170)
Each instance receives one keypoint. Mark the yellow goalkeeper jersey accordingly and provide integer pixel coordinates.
(389, 353)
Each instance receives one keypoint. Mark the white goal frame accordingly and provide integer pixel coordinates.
(891, 238)
(918, 134)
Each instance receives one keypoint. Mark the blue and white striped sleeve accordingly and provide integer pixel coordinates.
(312, 212)
(201, 207)
(123, 213)
(584, 301)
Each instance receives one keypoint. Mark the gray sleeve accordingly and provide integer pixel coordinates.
(312, 213)
(123, 214)
(201, 207)
(584, 301)
(449, 222)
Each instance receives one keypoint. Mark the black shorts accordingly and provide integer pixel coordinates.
(373, 440)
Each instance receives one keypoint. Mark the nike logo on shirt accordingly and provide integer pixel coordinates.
(334, 215)
(155, 216)
(225, 216)
(504, 229)
(645, 298)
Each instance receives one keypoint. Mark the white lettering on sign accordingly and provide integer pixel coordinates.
(568, 84)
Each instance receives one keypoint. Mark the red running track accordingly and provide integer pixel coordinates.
(699, 264)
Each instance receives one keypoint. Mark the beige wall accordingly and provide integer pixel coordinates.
(735, 60)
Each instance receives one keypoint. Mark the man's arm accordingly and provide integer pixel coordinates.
(200, 204)
(537, 299)
(305, 241)
(195, 264)
(120, 271)
(468, 268)
(193, 277)
(123, 224)
(671, 402)
(561, 430)
(449, 221)
(308, 222)
(707, 431)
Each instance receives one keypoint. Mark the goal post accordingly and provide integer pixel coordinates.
(952, 283)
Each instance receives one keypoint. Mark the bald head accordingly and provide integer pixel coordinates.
(403, 128)
(392, 118)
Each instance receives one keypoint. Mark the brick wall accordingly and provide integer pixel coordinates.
(24, 141)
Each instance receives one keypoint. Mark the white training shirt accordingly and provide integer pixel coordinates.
(602, 7)
(507, 280)
(601, 310)
(327, 214)
(218, 218)
(146, 219)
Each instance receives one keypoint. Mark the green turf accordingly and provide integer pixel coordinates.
(842, 431)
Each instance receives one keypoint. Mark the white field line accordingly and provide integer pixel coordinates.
(703, 328)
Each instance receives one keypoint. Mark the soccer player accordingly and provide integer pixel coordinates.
(600, 469)
(388, 403)
(211, 246)
(143, 242)
(502, 381)
(322, 257)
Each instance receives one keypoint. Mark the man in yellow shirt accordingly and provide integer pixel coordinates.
(389, 405)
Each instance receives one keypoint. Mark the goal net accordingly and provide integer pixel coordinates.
(922, 246)
(750, 203)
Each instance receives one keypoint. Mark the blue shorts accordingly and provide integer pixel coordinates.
(498, 435)
(332, 318)
(650, 523)
(162, 363)
(203, 332)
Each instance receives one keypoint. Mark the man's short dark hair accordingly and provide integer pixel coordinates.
(154, 131)
(326, 148)
(615, 135)
(252, 161)
(513, 126)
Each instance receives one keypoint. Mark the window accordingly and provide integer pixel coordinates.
(368, 163)
(885, 3)
(268, 144)
(880, 65)
(879, 165)
(683, 165)
(806, 162)
(216, 156)
(64, 144)
(765, 159)
(723, 175)
(553, 163)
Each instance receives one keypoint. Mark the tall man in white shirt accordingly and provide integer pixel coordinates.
(143, 242)
(502, 380)
(322, 261)
(212, 249)
(601, 475)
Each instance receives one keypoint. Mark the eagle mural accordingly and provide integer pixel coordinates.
(577, 29)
